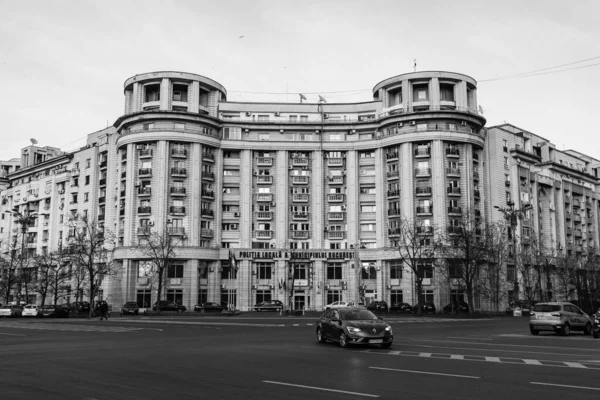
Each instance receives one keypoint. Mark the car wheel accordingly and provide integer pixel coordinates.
(587, 330)
(320, 337)
(386, 345)
(566, 330)
(343, 340)
(533, 331)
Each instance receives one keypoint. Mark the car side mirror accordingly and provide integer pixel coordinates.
(380, 318)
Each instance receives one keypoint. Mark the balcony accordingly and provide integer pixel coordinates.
(145, 191)
(123, 175)
(477, 194)
(424, 230)
(300, 234)
(423, 191)
(101, 199)
(393, 212)
(567, 198)
(176, 230)
(424, 210)
(300, 216)
(181, 172)
(205, 212)
(300, 198)
(264, 197)
(143, 230)
(588, 204)
(455, 210)
(393, 193)
(177, 191)
(335, 162)
(567, 214)
(264, 234)
(145, 210)
(264, 180)
(569, 230)
(454, 230)
(422, 172)
(208, 157)
(423, 152)
(578, 233)
(453, 171)
(101, 217)
(75, 172)
(579, 249)
(299, 180)
(336, 235)
(145, 172)
(122, 193)
(576, 203)
(102, 182)
(394, 231)
(475, 157)
(208, 194)
(103, 164)
(336, 180)
(207, 233)
(179, 153)
(264, 161)
(208, 175)
(335, 216)
(451, 152)
(335, 198)
(393, 155)
(145, 153)
(475, 175)
(177, 210)
(577, 218)
(453, 191)
(121, 212)
(124, 157)
(300, 161)
(264, 215)
(393, 174)
(477, 213)
(507, 183)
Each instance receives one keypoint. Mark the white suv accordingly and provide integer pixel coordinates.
(31, 310)
(560, 317)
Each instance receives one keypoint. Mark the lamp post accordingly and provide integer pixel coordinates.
(512, 215)
(24, 219)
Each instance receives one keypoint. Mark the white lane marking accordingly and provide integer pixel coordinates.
(11, 334)
(320, 388)
(457, 357)
(587, 350)
(427, 373)
(492, 359)
(531, 362)
(296, 325)
(565, 386)
(467, 338)
(574, 364)
(494, 350)
(424, 354)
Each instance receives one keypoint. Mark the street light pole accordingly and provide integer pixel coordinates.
(512, 214)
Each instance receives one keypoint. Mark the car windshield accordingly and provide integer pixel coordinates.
(48, 307)
(357, 315)
(5, 307)
(546, 308)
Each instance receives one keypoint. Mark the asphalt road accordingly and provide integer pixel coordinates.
(270, 357)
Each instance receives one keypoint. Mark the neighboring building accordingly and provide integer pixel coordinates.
(320, 187)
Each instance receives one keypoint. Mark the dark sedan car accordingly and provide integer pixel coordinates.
(211, 307)
(353, 326)
(169, 306)
(130, 307)
(378, 307)
(54, 311)
(428, 308)
(455, 308)
(401, 308)
(269, 305)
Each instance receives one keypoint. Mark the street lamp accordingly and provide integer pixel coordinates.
(512, 215)
(24, 219)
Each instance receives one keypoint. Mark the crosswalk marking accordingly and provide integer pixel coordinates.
(575, 365)
(68, 327)
(492, 359)
(532, 362)
(457, 357)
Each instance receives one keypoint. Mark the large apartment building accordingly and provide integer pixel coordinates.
(301, 194)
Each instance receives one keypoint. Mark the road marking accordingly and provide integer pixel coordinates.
(457, 357)
(586, 350)
(492, 359)
(427, 355)
(320, 388)
(532, 362)
(565, 386)
(427, 373)
(11, 334)
(467, 338)
(574, 364)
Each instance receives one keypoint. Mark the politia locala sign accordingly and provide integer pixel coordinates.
(294, 255)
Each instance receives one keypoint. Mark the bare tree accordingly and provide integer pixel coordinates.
(529, 271)
(9, 266)
(53, 274)
(493, 274)
(86, 249)
(417, 247)
(565, 272)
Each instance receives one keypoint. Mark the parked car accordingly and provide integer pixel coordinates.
(97, 307)
(378, 307)
(353, 326)
(456, 308)
(82, 306)
(54, 311)
(596, 326)
(401, 308)
(428, 308)
(520, 307)
(356, 304)
(130, 307)
(168, 306)
(11, 311)
(211, 307)
(560, 317)
(31, 310)
(336, 304)
(269, 305)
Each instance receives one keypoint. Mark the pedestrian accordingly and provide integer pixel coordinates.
(103, 310)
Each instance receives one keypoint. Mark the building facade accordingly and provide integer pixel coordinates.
(306, 198)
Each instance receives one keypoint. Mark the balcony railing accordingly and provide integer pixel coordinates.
(576, 203)
(393, 174)
(454, 210)
(264, 234)
(264, 215)
(123, 175)
(392, 212)
(424, 230)
(264, 179)
(477, 194)
(179, 153)
(452, 171)
(335, 216)
(209, 233)
(145, 172)
(453, 190)
(300, 216)
(567, 199)
(335, 197)
(144, 153)
(208, 175)
(177, 210)
(143, 230)
(452, 152)
(423, 191)
(424, 209)
(208, 156)
(335, 162)
(103, 182)
(145, 210)
(102, 199)
(180, 172)
(476, 157)
(391, 155)
(476, 175)
(568, 214)
(300, 198)
(300, 180)
(300, 234)
(423, 171)
(300, 161)
(103, 164)
(177, 191)
(393, 193)
(394, 231)
(336, 235)
(145, 191)
(101, 217)
(264, 161)
(124, 156)
(264, 197)
(454, 230)
(176, 230)
(205, 212)
(208, 194)
(421, 152)
(336, 180)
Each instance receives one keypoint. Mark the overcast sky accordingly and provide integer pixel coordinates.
(63, 63)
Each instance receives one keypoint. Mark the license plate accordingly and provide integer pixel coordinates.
(376, 341)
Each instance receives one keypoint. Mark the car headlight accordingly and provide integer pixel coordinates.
(388, 329)
(352, 329)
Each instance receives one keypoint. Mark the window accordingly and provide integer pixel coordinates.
(175, 295)
(336, 136)
(234, 133)
(202, 296)
(367, 190)
(428, 294)
(446, 92)
(152, 92)
(367, 171)
(367, 154)
(505, 162)
(263, 118)
(229, 296)
(175, 271)
(334, 295)
(263, 136)
(88, 162)
(368, 271)
(396, 297)
(263, 295)
(368, 208)
(300, 270)
(334, 271)
(368, 227)
(144, 298)
(264, 270)
(293, 118)
(227, 272)
(396, 269)
(87, 179)
(231, 172)
(508, 197)
(511, 275)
